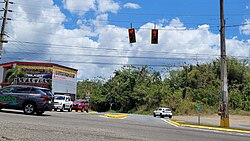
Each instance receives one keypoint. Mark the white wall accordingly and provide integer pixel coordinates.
(1, 74)
(64, 86)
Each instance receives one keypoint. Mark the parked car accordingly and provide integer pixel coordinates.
(30, 99)
(163, 112)
(82, 105)
(63, 102)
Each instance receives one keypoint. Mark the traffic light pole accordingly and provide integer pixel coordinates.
(3, 27)
(224, 121)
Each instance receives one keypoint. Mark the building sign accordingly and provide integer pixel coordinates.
(40, 82)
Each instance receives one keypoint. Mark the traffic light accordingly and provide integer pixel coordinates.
(154, 36)
(131, 34)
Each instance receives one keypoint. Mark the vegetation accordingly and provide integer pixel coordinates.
(142, 90)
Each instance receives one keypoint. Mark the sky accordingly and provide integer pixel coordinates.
(92, 35)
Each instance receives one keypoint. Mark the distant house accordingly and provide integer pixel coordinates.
(60, 79)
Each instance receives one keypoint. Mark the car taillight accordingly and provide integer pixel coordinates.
(44, 96)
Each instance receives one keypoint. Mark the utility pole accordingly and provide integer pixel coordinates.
(224, 121)
(4, 18)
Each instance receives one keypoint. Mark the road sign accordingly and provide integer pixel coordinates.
(199, 117)
(198, 107)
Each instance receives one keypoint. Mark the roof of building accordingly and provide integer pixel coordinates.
(36, 63)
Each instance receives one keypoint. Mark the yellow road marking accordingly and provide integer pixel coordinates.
(116, 115)
(209, 127)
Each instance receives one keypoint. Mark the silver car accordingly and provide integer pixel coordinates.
(163, 112)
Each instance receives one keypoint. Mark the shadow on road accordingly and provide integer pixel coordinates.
(21, 113)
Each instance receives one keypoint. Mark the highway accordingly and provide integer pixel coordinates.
(72, 126)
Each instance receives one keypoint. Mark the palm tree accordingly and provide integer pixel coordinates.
(14, 73)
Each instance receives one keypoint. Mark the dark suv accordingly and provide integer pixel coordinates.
(30, 99)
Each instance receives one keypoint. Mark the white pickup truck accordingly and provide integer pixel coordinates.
(163, 112)
(63, 102)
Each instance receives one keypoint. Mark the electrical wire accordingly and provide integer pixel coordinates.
(104, 48)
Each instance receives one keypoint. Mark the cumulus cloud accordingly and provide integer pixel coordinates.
(176, 23)
(79, 6)
(132, 6)
(245, 29)
(107, 6)
(97, 48)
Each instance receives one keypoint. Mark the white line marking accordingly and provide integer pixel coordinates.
(169, 122)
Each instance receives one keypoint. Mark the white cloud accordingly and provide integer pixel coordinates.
(107, 6)
(132, 6)
(79, 6)
(84, 47)
(176, 23)
(245, 29)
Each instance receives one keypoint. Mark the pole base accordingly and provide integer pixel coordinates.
(224, 122)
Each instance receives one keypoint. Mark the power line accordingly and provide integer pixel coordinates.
(109, 49)
(103, 63)
(105, 56)
(135, 13)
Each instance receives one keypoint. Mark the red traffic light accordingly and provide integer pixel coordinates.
(131, 34)
(154, 36)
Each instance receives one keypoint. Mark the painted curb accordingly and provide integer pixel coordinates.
(209, 127)
(116, 115)
(90, 112)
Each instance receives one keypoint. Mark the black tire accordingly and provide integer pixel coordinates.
(82, 110)
(70, 109)
(39, 113)
(76, 110)
(162, 116)
(29, 108)
(170, 116)
(62, 110)
(87, 110)
(154, 115)
(55, 109)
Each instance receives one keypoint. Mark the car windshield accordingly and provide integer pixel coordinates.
(59, 97)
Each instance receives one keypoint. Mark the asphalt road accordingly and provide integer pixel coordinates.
(65, 126)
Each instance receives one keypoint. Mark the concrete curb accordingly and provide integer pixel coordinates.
(208, 127)
(116, 115)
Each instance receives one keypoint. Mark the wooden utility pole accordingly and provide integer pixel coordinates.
(4, 18)
(224, 122)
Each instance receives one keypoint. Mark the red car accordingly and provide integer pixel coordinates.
(82, 105)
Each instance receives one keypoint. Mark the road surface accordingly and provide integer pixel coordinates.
(71, 126)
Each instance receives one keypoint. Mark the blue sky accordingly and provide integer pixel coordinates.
(192, 13)
(91, 35)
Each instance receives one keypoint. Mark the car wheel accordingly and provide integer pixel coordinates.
(162, 116)
(82, 110)
(39, 113)
(70, 109)
(55, 109)
(62, 108)
(170, 116)
(29, 108)
(154, 115)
